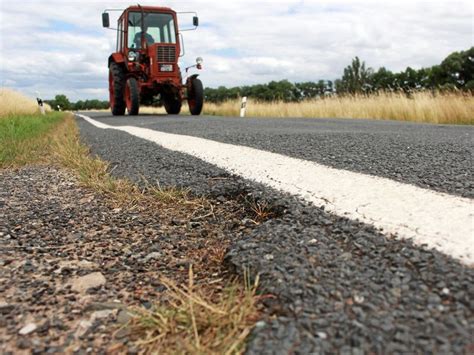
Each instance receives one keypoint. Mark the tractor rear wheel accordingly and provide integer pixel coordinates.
(116, 89)
(196, 97)
(132, 96)
(172, 104)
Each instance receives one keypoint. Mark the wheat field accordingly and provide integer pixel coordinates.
(15, 103)
(446, 108)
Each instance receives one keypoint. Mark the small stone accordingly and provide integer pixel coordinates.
(185, 263)
(434, 299)
(177, 222)
(346, 256)
(194, 224)
(358, 299)
(445, 291)
(132, 350)
(312, 241)
(152, 256)
(27, 329)
(84, 326)
(123, 317)
(122, 333)
(260, 324)
(102, 314)
(322, 335)
(6, 308)
(83, 283)
(23, 343)
(268, 257)
(147, 304)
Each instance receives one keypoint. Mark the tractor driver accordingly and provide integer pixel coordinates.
(138, 37)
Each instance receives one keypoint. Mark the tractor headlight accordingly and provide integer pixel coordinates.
(132, 56)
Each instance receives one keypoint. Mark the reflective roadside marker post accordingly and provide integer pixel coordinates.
(243, 106)
(40, 103)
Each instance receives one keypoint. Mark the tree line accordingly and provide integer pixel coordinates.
(456, 72)
(61, 102)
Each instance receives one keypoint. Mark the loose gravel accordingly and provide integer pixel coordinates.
(330, 284)
(71, 262)
(437, 157)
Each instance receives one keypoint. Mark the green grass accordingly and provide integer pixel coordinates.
(24, 138)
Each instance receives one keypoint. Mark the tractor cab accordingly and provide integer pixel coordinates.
(144, 68)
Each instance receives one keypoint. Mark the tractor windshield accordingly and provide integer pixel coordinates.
(157, 28)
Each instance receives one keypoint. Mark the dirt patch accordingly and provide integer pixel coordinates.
(72, 262)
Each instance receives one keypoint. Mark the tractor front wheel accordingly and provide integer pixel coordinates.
(132, 97)
(116, 89)
(172, 104)
(196, 97)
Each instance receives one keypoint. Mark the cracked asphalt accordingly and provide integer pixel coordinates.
(333, 284)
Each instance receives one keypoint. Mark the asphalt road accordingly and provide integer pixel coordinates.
(339, 284)
(437, 157)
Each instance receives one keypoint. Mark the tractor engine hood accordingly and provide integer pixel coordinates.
(163, 59)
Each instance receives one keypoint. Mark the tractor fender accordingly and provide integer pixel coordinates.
(189, 80)
(116, 58)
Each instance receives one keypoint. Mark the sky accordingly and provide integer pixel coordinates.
(59, 46)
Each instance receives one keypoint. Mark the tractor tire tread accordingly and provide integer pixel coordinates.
(119, 78)
(197, 93)
(134, 96)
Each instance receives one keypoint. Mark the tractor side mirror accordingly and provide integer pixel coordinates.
(105, 20)
(195, 21)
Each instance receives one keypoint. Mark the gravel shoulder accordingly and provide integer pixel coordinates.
(72, 262)
(331, 284)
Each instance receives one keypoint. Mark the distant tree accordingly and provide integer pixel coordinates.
(458, 68)
(383, 79)
(356, 78)
(470, 86)
(62, 101)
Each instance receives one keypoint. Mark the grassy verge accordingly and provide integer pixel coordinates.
(26, 138)
(449, 108)
(200, 317)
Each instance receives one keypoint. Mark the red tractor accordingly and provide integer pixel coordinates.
(144, 69)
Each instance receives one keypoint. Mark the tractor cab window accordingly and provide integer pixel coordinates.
(157, 28)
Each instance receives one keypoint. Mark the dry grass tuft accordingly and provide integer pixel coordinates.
(445, 108)
(262, 211)
(15, 103)
(162, 111)
(94, 172)
(197, 320)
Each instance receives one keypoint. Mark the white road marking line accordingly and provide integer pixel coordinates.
(441, 221)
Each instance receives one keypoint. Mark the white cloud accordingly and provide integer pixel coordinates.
(59, 46)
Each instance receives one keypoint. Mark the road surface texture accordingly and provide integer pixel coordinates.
(338, 284)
